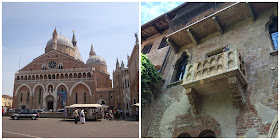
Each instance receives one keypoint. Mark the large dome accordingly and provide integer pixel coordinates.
(61, 40)
(95, 59)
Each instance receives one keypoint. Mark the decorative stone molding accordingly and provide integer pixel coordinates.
(224, 72)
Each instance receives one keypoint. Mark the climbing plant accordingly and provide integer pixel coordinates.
(149, 79)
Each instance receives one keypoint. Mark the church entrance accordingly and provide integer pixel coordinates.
(50, 101)
(23, 107)
(50, 105)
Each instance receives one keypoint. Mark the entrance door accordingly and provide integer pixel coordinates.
(23, 107)
(50, 105)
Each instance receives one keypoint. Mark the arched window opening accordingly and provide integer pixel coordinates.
(85, 97)
(207, 134)
(27, 97)
(44, 67)
(273, 31)
(21, 97)
(76, 98)
(184, 135)
(163, 43)
(40, 96)
(60, 66)
(147, 49)
(181, 67)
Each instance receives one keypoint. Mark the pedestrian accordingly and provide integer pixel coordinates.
(82, 117)
(127, 113)
(76, 115)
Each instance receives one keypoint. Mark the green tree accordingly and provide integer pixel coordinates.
(149, 79)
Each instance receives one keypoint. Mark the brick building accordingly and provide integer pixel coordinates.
(126, 82)
(219, 65)
(7, 101)
(60, 78)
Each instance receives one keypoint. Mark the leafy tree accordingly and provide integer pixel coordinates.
(149, 79)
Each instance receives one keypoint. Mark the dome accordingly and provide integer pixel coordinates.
(61, 40)
(95, 59)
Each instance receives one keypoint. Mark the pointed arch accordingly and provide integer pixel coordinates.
(63, 85)
(82, 84)
(35, 88)
(22, 86)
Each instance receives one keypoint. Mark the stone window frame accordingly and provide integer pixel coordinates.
(44, 67)
(175, 65)
(146, 46)
(271, 45)
(163, 43)
(60, 66)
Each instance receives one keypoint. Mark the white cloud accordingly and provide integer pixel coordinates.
(151, 10)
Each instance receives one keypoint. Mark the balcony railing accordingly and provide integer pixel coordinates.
(224, 72)
(53, 80)
(215, 67)
(55, 70)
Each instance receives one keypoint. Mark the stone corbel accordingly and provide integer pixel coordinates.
(194, 98)
(237, 92)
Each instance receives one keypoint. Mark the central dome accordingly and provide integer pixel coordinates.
(61, 40)
(95, 59)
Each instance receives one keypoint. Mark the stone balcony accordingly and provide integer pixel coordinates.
(221, 73)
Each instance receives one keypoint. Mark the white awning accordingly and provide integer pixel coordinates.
(86, 105)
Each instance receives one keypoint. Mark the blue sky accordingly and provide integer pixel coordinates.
(26, 28)
(151, 10)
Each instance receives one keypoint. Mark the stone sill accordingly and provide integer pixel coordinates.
(175, 83)
(274, 52)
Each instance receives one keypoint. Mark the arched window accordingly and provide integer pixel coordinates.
(147, 48)
(27, 97)
(181, 67)
(21, 97)
(163, 43)
(76, 98)
(40, 96)
(60, 66)
(44, 67)
(85, 97)
(127, 83)
(273, 32)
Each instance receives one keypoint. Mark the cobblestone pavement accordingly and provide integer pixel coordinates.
(60, 128)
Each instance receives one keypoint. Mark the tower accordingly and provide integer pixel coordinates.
(54, 43)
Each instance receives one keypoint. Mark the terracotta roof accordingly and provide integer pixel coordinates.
(7, 96)
(104, 89)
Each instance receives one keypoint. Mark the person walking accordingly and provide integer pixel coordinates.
(76, 115)
(82, 117)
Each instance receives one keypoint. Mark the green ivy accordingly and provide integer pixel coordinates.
(149, 79)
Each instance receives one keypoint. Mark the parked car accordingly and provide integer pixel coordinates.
(33, 114)
(41, 110)
(60, 110)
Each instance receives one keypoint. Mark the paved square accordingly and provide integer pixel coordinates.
(60, 128)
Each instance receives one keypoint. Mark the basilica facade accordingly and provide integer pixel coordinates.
(59, 78)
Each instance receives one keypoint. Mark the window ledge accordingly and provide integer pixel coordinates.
(274, 52)
(175, 83)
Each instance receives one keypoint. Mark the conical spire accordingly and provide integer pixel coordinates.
(91, 53)
(117, 64)
(74, 41)
(54, 33)
(122, 66)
